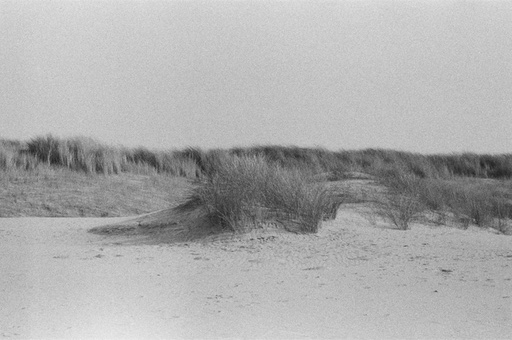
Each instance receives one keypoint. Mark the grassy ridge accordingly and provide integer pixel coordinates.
(237, 184)
(89, 156)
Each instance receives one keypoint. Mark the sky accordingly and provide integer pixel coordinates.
(420, 76)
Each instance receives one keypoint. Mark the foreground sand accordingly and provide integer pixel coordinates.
(352, 280)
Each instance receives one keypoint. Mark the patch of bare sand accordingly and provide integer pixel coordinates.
(351, 280)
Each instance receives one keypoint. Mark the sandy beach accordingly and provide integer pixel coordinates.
(255, 169)
(351, 280)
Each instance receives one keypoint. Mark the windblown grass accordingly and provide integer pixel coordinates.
(90, 156)
(483, 202)
(247, 191)
(401, 203)
(259, 182)
(13, 157)
(80, 154)
(87, 155)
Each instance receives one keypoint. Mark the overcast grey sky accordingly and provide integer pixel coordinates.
(425, 76)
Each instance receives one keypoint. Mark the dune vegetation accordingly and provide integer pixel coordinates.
(245, 191)
(240, 187)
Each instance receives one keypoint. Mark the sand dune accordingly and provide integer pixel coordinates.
(351, 280)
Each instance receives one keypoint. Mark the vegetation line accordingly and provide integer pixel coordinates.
(245, 187)
(90, 156)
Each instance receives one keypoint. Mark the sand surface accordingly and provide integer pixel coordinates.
(351, 280)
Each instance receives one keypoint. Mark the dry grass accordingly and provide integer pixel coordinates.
(88, 155)
(246, 191)
(50, 176)
(401, 203)
(483, 202)
(50, 192)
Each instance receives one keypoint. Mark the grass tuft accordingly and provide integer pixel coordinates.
(245, 192)
(401, 204)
